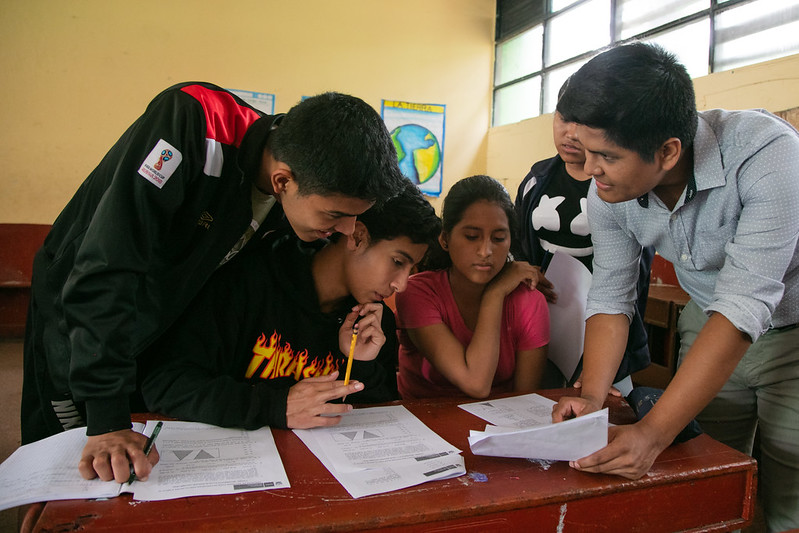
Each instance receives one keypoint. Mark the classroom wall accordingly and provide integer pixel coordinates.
(77, 73)
(772, 85)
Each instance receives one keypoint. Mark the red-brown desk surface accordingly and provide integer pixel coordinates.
(700, 485)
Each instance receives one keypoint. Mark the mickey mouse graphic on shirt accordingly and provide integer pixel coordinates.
(560, 219)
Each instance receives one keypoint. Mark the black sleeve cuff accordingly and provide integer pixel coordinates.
(106, 415)
(271, 406)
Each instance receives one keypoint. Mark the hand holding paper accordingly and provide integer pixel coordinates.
(564, 441)
(523, 428)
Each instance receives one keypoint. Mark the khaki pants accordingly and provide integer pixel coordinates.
(763, 392)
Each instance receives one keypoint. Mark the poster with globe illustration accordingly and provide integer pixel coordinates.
(418, 134)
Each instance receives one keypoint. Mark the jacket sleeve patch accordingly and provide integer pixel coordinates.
(161, 163)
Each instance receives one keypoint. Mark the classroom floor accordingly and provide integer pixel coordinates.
(11, 392)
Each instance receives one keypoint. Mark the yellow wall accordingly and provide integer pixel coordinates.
(75, 74)
(773, 85)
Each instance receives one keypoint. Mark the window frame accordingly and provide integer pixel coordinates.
(714, 8)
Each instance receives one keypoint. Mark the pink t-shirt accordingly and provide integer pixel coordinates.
(428, 300)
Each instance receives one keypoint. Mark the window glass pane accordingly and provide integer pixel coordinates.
(557, 5)
(637, 16)
(690, 43)
(756, 32)
(519, 56)
(554, 79)
(517, 102)
(584, 28)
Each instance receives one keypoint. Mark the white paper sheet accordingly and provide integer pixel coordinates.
(48, 470)
(366, 438)
(196, 459)
(522, 411)
(200, 459)
(571, 281)
(565, 441)
(380, 449)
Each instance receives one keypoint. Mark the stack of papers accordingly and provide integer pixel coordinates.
(381, 449)
(196, 459)
(523, 428)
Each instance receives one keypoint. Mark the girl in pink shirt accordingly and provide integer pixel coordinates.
(474, 325)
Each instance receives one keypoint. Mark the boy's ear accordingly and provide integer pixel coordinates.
(359, 237)
(280, 178)
(669, 153)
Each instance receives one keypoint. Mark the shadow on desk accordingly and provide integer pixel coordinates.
(699, 485)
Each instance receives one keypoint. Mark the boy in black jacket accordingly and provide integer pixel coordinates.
(265, 342)
(184, 189)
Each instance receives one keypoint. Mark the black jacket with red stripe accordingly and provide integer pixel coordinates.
(141, 236)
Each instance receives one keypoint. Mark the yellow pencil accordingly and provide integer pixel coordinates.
(352, 351)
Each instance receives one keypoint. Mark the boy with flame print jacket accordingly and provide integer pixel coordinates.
(284, 314)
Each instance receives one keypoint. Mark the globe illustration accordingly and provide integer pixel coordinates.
(418, 152)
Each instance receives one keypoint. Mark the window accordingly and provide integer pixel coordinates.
(540, 43)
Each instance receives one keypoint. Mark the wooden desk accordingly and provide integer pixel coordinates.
(700, 485)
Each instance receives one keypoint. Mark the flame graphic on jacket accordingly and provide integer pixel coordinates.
(282, 361)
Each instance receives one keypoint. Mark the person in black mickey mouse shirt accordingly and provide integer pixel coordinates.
(551, 209)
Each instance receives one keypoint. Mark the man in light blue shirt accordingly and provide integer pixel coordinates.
(717, 194)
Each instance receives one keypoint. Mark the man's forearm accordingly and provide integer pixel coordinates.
(707, 366)
(605, 341)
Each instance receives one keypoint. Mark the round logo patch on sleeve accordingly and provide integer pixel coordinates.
(161, 163)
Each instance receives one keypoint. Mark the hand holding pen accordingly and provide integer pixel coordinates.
(109, 456)
(147, 448)
(364, 321)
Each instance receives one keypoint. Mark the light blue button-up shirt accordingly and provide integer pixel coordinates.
(733, 245)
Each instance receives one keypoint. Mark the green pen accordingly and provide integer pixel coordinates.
(147, 447)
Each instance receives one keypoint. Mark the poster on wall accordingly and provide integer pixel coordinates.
(261, 101)
(418, 134)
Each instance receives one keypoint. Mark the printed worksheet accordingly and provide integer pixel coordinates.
(196, 459)
(367, 438)
(380, 449)
(522, 411)
(47, 470)
(201, 459)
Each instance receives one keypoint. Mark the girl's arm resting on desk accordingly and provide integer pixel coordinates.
(707, 366)
(469, 368)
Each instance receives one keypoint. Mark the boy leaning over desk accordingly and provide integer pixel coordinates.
(184, 189)
(266, 343)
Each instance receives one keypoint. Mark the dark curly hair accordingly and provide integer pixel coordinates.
(408, 214)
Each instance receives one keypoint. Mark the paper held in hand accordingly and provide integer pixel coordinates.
(524, 429)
